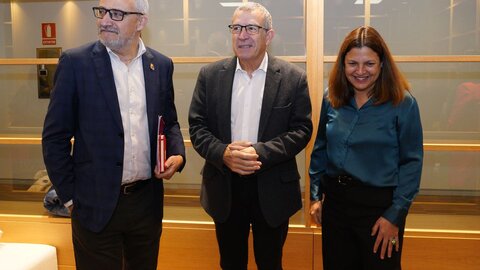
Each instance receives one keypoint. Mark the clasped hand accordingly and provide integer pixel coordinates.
(240, 157)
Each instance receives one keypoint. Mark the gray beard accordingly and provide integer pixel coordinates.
(115, 45)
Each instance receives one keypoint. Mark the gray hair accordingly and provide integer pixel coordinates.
(142, 6)
(253, 6)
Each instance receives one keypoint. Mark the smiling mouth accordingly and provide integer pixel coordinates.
(244, 46)
(362, 78)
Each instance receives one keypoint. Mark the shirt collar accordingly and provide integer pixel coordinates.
(141, 50)
(263, 66)
(369, 102)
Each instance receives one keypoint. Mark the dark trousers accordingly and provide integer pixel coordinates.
(349, 212)
(232, 235)
(131, 238)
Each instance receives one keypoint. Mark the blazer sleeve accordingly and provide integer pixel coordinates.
(203, 139)
(175, 144)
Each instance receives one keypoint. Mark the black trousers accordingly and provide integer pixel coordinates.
(130, 241)
(349, 212)
(232, 235)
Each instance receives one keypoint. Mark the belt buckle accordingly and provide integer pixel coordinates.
(342, 180)
(126, 187)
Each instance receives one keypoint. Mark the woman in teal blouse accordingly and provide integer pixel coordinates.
(367, 160)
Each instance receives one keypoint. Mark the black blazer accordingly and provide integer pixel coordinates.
(84, 105)
(285, 129)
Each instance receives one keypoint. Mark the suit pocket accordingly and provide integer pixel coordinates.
(283, 107)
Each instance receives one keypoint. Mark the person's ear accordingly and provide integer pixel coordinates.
(269, 36)
(142, 22)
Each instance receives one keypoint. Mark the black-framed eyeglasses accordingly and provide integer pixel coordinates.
(251, 29)
(115, 14)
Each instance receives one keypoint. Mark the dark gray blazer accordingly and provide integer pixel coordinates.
(84, 105)
(285, 129)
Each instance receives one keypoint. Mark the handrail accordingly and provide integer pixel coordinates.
(428, 146)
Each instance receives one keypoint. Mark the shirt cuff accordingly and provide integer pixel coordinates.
(395, 215)
(68, 204)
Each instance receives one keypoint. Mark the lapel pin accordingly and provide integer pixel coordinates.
(152, 67)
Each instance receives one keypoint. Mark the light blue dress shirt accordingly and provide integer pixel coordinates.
(380, 145)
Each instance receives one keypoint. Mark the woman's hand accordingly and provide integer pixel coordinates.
(316, 211)
(387, 237)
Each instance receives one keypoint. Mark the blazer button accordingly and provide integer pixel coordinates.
(119, 164)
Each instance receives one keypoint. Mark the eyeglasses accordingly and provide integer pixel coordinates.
(251, 29)
(115, 14)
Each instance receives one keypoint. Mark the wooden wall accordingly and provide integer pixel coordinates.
(193, 246)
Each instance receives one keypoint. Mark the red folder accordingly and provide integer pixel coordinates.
(161, 145)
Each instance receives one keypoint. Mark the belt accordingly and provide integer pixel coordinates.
(345, 180)
(129, 188)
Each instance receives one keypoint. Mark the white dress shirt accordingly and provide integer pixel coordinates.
(130, 85)
(247, 97)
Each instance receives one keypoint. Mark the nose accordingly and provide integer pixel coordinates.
(106, 20)
(243, 33)
(361, 69)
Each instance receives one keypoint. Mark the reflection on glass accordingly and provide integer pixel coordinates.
(204, 32)
(341, 17)
(454, 112)
(429, 27)
(21, 111)
(451, 173)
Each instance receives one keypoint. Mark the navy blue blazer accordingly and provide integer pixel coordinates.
(84, 106)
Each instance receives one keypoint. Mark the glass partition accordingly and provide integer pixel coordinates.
(429, 27)
(199, 28)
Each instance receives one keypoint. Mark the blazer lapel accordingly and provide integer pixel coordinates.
(103, 69)
(225, 83)
(272, 82)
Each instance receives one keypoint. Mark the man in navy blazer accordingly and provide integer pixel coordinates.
(107, 97)
(249, 117)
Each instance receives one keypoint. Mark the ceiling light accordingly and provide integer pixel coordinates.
(373, 2)
(231, 4)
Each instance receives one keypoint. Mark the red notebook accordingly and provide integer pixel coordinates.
(161, 145)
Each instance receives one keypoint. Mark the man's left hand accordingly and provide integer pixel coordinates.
(171, 166)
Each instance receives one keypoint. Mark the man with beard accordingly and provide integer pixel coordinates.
(108, 96)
